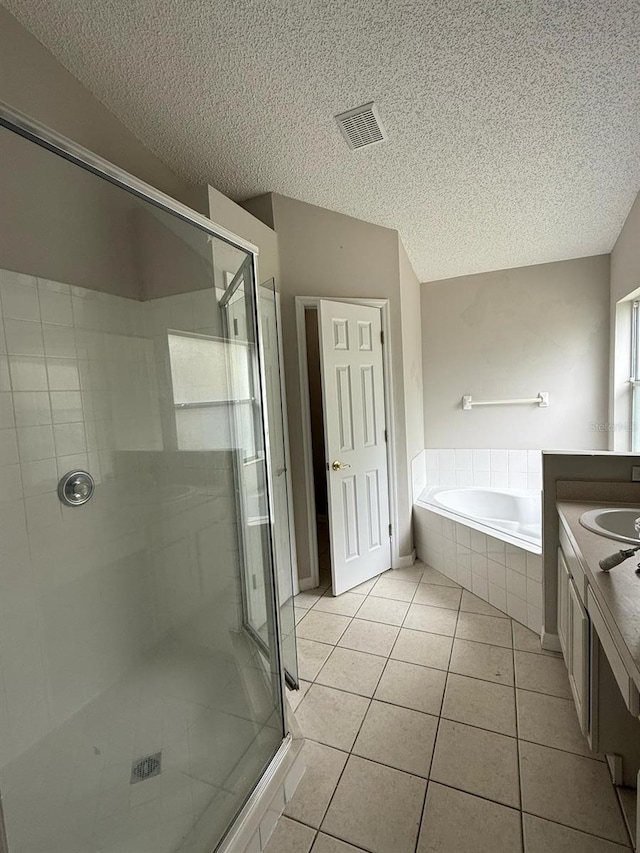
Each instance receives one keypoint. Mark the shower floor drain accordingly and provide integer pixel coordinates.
(145, 768)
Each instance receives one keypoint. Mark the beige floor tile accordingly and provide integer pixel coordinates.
(484, 629)
(311, 657)
(398, 737)
(396, 590)
(331, 716)
(357, 672)
(305, 600)
(365, 588)
(480, 703)
(491, 663)
(542, 674)
(542, 836)
(425, 649)
(346, 604)
(289, 836)
(314, 792)
(376, 807)
(551, 721)
(438, 596)
(528, 641)
(383, 610)
(431, 575)
(571, 790)
(628, 799)
(322, 627)
(472, 604)
(477, 761)
(295, 697)
(436, 620)
(417, 687)
(327, 844)
(373, 637)
(457, 822)
(411, 573)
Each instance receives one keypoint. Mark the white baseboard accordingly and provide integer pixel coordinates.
(305, 583)
(550, 642)
(404, 562)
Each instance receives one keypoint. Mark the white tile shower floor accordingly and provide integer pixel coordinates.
(210, 716)
(436, 724)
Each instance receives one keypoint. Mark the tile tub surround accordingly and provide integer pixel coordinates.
(449, 755)
(504, 469)
(506, 577)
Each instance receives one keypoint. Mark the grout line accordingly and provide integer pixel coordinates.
(440, 715)
(627, 849)
(518, 756)
(488, 800)
(350, 843)
(435, 739)
(439, 718)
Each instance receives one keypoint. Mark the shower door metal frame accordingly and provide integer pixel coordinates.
(23, 125)
(260, 642)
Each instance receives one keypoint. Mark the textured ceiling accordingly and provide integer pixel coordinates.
(514, 125)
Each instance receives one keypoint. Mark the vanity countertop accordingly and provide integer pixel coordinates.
(617, 592)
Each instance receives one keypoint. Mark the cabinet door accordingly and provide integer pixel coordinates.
(564, 577)
(578, 637)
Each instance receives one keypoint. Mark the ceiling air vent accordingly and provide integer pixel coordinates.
(361, 126)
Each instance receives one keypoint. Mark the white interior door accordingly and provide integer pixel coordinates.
(355, 441)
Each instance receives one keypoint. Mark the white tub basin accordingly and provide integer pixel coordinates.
(614, 523)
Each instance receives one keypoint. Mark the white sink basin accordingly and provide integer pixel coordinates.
(614, 523)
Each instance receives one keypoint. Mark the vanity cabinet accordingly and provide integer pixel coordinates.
(573, 631)
(579, 654)
(597, 629)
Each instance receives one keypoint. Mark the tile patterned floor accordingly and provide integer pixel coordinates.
(436, 724)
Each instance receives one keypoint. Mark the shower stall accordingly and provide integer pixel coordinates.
(141, 615)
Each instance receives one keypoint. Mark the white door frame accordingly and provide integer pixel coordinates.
(302, 304)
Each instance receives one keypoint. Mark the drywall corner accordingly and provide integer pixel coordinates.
(261, 206)
(226, 213)
(624, 287)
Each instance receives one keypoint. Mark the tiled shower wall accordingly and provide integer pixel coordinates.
(506, 469)
(85, 592)
(507, 577)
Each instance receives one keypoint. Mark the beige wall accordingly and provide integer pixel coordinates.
(625, 256)
(514, 333)
(625, 284)
(236, 219)
(99, 242)
(411, 355)
(327, 254)
(33, 81)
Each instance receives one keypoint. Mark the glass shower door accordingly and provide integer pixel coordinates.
(284, 547)
(136, 713)
(254, 499)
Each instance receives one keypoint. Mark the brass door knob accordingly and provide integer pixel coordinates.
(338, 466)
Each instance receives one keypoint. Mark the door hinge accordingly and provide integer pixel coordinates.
(390, 531)
(386, 435)
(381, 337)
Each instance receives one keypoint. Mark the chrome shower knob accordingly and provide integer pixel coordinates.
(76, 488)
